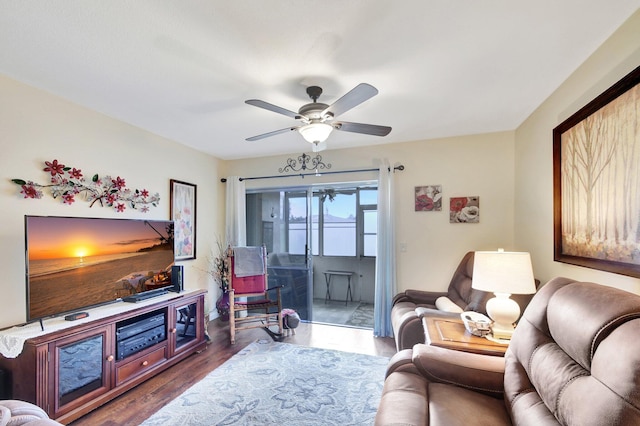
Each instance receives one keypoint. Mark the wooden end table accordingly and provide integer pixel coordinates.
(450, 333)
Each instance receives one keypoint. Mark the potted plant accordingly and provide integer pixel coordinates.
(219, 270)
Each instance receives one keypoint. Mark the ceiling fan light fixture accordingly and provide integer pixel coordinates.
(315, 132)
(319, 146)
(317, 117)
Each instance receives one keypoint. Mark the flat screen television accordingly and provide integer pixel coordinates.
(75, 263)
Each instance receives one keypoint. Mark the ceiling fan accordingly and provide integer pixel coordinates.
(318, 119)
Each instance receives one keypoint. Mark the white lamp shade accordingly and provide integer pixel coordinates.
(503, 272)
(315, 132)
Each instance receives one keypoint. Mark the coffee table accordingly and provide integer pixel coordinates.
(450, 333)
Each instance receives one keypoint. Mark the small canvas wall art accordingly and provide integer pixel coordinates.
(182, 211)
(464, 209)
(428, 198)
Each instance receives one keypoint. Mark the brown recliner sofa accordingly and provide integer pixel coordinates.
(16, 413)
(410, 306)
(574, 359)
(407, 322)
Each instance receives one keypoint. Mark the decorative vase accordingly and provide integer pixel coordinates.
(222, 305)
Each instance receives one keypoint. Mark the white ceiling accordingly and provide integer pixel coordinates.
(183, 68)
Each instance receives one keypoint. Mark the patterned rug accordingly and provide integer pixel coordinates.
(353, 314)
(269, 383)
(362, 316)
(333, 311)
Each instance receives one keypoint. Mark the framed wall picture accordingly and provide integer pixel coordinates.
(428, 198)
(464, 209)
(596, 182)
(183, 214)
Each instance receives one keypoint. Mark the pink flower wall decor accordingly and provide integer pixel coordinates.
(428, 198)
(464, 209)
(69, 184)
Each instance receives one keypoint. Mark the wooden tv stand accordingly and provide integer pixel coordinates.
(84, 364)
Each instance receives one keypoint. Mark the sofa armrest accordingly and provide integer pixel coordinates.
(15, 412)
(483, 373)
(419, 297)
(435, 313)
(402, 361)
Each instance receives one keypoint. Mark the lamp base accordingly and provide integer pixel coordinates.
(501, 332)
(504, 312)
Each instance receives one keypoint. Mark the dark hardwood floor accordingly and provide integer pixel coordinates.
(136, 405)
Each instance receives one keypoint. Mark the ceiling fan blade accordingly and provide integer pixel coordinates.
(272, 107)
(355, 97)
(367, 129)
(275, 132)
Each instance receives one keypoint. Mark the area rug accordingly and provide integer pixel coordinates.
(332, 311)
(362, 316)
(270, 383)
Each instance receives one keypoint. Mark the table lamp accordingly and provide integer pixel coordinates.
(503, 273)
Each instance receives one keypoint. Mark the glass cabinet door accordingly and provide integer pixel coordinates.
(82, 366)
(186, 327)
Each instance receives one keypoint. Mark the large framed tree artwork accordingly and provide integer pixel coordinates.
(596, 180)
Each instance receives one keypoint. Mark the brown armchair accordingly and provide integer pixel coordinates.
(407, 322)
(574, 359)
(409, 307)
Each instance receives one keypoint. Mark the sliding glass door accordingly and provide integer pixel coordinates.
(280, 220)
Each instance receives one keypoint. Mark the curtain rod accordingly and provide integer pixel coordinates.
(302, 175)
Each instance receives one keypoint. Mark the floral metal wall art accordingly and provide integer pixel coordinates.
(69, 183)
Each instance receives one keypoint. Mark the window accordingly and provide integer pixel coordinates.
(315, 225)
(369, 213)
(369, 231)
(344, 222)
(297, 221)
(339, 225)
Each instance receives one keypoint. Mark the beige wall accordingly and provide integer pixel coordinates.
(533, 157)
(479, 165)
(38, 127)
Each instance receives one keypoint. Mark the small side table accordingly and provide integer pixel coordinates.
(450, 333)
(329, 274)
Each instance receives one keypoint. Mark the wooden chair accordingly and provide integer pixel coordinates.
(250, 304)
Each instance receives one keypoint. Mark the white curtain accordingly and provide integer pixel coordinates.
(236, 215)
(386, 255)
